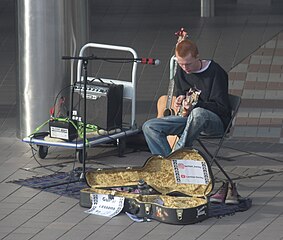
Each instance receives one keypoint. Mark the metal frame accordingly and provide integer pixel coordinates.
(235, 102)
(129, 92)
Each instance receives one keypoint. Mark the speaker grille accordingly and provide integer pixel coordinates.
(104, 104)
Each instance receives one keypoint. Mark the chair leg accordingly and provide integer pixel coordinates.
(205, 149)
(213, 159)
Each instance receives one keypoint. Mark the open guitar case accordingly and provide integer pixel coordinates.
(172, 190)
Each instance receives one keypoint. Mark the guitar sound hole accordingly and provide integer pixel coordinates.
(168, 112)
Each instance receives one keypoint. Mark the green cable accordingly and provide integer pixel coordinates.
(38, 128)
(79, 127)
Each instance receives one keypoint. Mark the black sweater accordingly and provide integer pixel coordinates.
(213, 83)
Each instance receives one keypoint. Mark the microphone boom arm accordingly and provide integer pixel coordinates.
(150, 61)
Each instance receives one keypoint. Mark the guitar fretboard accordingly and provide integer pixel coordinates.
(173, 69)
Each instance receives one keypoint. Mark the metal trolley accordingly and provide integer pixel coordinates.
(129, 92)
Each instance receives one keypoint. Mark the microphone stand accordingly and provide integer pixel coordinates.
(85, 61)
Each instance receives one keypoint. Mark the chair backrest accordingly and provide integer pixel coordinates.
(235, 102)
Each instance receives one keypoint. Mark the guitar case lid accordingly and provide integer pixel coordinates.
(161, 173)
(181, 183)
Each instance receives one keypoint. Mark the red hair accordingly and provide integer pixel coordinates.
(186, 47)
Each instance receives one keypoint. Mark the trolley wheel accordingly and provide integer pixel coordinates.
(42, 151)
(121, 144)
(80, 155)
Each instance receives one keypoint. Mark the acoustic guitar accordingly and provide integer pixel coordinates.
(188, 103)
(165, 104)
(165, 107)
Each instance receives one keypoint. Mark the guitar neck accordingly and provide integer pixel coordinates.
(173, 69)
(170, 93)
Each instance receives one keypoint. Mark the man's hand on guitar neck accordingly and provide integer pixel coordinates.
(183, 105)
(178, 102)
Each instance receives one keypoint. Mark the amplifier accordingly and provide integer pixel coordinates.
(62, 129)
(104, 104)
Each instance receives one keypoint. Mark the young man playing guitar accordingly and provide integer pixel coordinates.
(209, 115)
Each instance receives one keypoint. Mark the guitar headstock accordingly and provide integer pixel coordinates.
(181, 34)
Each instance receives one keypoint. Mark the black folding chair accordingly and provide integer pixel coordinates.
(235, 102)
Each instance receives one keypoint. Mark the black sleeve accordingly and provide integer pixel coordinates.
(218, 101)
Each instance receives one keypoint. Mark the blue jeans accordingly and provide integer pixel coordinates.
(200, 120)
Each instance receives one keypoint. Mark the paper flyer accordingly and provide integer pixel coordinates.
(105, 205)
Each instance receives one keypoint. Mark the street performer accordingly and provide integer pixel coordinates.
(209, 114)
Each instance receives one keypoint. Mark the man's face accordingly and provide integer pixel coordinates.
(189, 64)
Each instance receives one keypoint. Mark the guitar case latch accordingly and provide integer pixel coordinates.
(179, 214)
(147, 207)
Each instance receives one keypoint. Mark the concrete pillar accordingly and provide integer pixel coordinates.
(47, 30)
(207, 8)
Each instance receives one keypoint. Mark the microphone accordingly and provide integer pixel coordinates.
(150, 61)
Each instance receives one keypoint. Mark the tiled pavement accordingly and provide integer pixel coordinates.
(258, 79)
(245, 38)
(33, 214)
